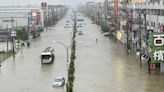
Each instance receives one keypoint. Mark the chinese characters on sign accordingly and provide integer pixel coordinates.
(158, 40)
(158, 55)
(157, 46)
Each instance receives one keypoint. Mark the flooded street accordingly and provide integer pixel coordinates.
(101, 66)
(25, 73)
(105, 66)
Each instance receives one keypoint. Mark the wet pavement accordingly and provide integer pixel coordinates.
(100, 67)
(25, 73)
(104, 66)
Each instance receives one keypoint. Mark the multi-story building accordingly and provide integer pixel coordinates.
(15, 17)
(150, 16)
(154, 13)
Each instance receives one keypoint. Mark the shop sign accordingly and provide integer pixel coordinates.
(43, 5)
(37, 18)
(157, 46)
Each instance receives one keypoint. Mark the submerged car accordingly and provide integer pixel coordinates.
(58, 81)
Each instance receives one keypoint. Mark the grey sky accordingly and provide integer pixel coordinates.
(25, 2)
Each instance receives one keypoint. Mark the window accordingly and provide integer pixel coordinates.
(153, 11)
(158, 12)
(148, 11)
(147, 23)
(159, 25)
(162, 12)
(151, 23)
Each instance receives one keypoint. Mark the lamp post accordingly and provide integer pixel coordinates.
(128, 28)
(66, 27)
(7, 38)
(67, 48)
(140, 43)
(70, 33)
(28, 24)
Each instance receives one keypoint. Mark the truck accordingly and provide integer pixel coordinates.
(47, 55)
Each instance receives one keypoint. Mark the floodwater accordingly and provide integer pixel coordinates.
(101, 66)
(25, 73)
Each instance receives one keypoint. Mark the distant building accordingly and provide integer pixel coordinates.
(4, 34)
(16, 17)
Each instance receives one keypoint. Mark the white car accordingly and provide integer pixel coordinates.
(58, 81)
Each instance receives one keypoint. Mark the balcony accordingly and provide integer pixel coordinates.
(159, 5)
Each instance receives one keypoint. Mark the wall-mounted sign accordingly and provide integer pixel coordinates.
(157, 46)
(8, 20)
(37, 18)
(43, 5)
(116, 7)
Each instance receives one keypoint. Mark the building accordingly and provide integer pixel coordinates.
(15, 17)
(148, 17)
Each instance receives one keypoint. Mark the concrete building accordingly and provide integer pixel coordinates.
(16, 17)
(134, 22)
(150, 15)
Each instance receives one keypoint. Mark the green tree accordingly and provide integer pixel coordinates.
(104, 27)
(22, 34)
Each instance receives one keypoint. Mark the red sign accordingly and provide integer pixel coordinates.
(43, 5)
(37, 18)
(116, 7)
(162, 28)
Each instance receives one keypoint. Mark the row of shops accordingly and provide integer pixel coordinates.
(130, 28)
(147, 44)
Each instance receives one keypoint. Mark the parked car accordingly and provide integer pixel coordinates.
(35, 34)
(39, 28)
(58, 81)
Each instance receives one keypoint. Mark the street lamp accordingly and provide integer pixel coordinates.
(69, 33)
(67, 26)
(7, 38)
(67, 48)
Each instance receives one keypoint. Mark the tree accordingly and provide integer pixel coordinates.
(22, 34)
(104, 27)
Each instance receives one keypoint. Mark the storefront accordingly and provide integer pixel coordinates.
(157, 48)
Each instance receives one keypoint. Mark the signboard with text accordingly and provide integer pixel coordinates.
(43, 5)
(116, 7)
(162, 28)
(37, 18)
(157, 47)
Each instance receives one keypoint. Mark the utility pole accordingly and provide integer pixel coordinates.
(148, 62)
(127, 26)
(7, 38)
(145, 19)
(12, 35)
(28, 22)
(12, 22)
(140, 33)
(127, 34)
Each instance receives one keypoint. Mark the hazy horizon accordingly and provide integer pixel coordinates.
(52, 2)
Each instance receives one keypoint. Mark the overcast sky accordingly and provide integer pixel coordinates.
(54, 2)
